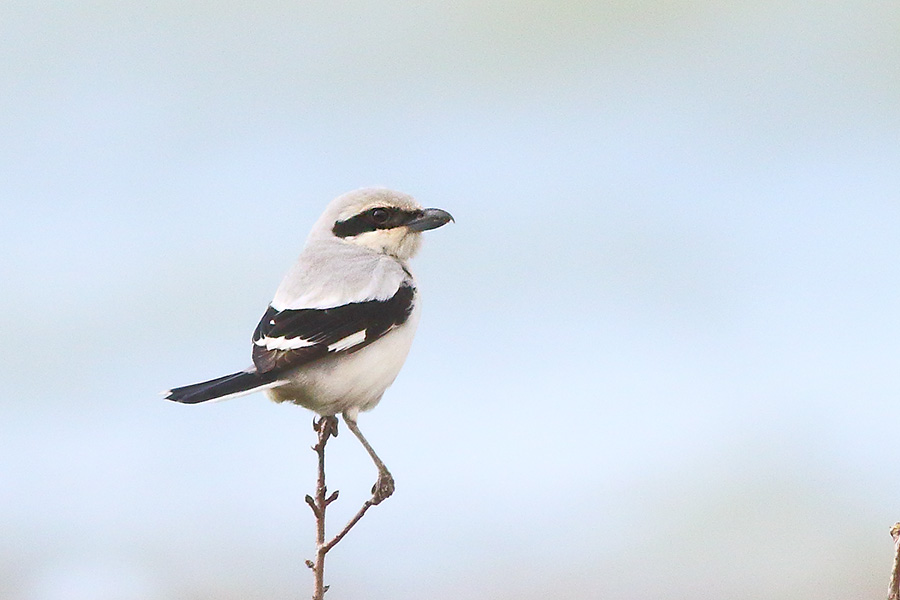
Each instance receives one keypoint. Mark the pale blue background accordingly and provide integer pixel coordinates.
(660, 351)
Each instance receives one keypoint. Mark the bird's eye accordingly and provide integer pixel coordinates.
(380, 215)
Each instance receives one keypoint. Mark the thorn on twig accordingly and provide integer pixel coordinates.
(310, 564)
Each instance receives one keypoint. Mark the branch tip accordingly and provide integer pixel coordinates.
(312, 505)
(894, 588)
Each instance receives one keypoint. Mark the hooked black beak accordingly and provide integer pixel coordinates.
(430, 218)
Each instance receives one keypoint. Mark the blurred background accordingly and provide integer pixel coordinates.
(660, 348)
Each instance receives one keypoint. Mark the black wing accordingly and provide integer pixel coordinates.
(290, 338)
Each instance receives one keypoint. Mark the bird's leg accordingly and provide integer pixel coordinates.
(384, 487)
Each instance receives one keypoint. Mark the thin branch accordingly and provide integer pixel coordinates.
(894, 590)
(349, 525)
(325, 428)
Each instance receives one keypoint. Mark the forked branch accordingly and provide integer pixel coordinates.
(327, 427)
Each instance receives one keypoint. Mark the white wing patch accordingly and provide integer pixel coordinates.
(282, 343)
(351, 340)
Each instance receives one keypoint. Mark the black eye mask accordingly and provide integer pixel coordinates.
(380, 217)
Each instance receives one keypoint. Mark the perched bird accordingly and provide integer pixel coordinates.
(342, 321)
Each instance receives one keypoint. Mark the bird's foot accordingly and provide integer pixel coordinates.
(383, 488)
(327, 426)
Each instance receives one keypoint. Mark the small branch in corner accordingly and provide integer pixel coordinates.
(894, 590)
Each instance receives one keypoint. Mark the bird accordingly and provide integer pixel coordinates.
(342, 321)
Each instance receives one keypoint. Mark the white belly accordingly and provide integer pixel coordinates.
(350, 382)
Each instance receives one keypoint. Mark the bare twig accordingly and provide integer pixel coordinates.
(348, 526)
(325, 428)
(894, 590)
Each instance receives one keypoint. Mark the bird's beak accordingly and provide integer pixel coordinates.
(430, 218)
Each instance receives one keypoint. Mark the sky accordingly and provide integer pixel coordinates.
(660, 345)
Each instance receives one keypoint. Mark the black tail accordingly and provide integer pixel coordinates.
(229, 386)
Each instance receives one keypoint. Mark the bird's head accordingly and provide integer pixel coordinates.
(378, 219)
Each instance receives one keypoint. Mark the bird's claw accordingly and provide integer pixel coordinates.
(383, 488)
(326, 426)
